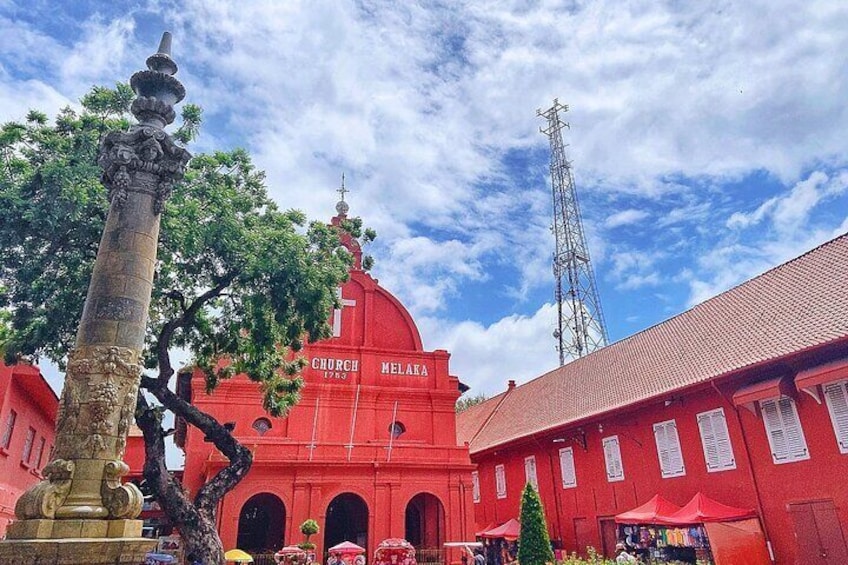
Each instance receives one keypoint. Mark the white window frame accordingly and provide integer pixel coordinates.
(787, 418)
(566, 468)
(530, 475)
(836, 398)
(669, 454)
(612, 459)
(715, 439)
(500, 481)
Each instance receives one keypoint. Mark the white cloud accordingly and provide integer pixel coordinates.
(625, 217)
(486, 357)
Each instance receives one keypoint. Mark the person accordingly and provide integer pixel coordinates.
(478, 557)
(621, 554)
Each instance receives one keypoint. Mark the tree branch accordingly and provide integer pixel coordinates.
(163, 343)
(239, 456)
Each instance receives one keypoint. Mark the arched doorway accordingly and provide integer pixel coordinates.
(261, 523)
(425, 527)
(347, 520)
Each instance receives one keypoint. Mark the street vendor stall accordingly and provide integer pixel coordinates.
(500, 542)
(701, 531)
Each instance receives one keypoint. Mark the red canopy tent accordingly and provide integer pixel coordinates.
(509, 530)
(702, 509)
(655, 511)
(491, 526)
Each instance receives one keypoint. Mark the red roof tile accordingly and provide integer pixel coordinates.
(473, 418)
(798, 305)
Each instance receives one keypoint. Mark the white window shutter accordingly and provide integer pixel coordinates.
(794, 435)
(836, 395)
(612, 457)
(530, 471)
(783, 428)
(566, 467)
(708, 439)
(723, 445)
(668, 449)
(500, 481)
(475, 486)
(715, 438)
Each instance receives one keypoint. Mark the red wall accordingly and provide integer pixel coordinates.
(574, 514)
(24, 390)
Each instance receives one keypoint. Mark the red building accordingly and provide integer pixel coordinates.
(28, 409)
(744, 398)
(370, 451)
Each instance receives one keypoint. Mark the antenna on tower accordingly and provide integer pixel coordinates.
(580, 325)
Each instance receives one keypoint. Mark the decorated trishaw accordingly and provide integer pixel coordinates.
(394, 551)
(346, 553)
(291, 555)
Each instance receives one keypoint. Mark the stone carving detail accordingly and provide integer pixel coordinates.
(125, 420)
(42, 500)
(142, 148)
(110, 360)
(122, 501)
(69, 408)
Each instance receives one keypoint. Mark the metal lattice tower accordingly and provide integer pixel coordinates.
(580, 325)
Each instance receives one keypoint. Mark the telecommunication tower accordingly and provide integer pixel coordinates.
(580, 325)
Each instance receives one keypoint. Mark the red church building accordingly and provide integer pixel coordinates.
(28, 409)
(743, 398)
(370, 451)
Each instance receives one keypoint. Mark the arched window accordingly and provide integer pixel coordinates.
(262, 425)
(396, 429)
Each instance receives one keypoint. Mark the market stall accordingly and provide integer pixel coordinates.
(500, 546)
(734, 534)
(702, 531)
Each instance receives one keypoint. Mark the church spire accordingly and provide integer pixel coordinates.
(347, 240)
(342, 207)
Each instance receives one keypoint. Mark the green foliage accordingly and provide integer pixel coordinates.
(464, 403)
(534, 545)
(236, 277)
(308, 528)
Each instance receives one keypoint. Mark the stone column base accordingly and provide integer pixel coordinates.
(39, 529)
(104, 551)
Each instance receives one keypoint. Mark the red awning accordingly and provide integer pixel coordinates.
(509, 530)
(823, 374)
(655, 511)
(491, 526)
(702, 509)
(749, 395)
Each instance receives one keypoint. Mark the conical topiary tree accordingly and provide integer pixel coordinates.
(534, 545)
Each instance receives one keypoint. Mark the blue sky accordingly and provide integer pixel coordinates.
(708, 140)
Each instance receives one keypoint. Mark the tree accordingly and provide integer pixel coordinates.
(236, 278)
(463, 404)
(308, 528)
(534, 545)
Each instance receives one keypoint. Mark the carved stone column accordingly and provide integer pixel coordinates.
(82, 496)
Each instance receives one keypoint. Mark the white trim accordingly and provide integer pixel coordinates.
(669, 454)
(783, 430)
(836, 397)
(715, 439)
(566, 467)
(500, 481)
(475, 487)
(530, 471)
(612, 459)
